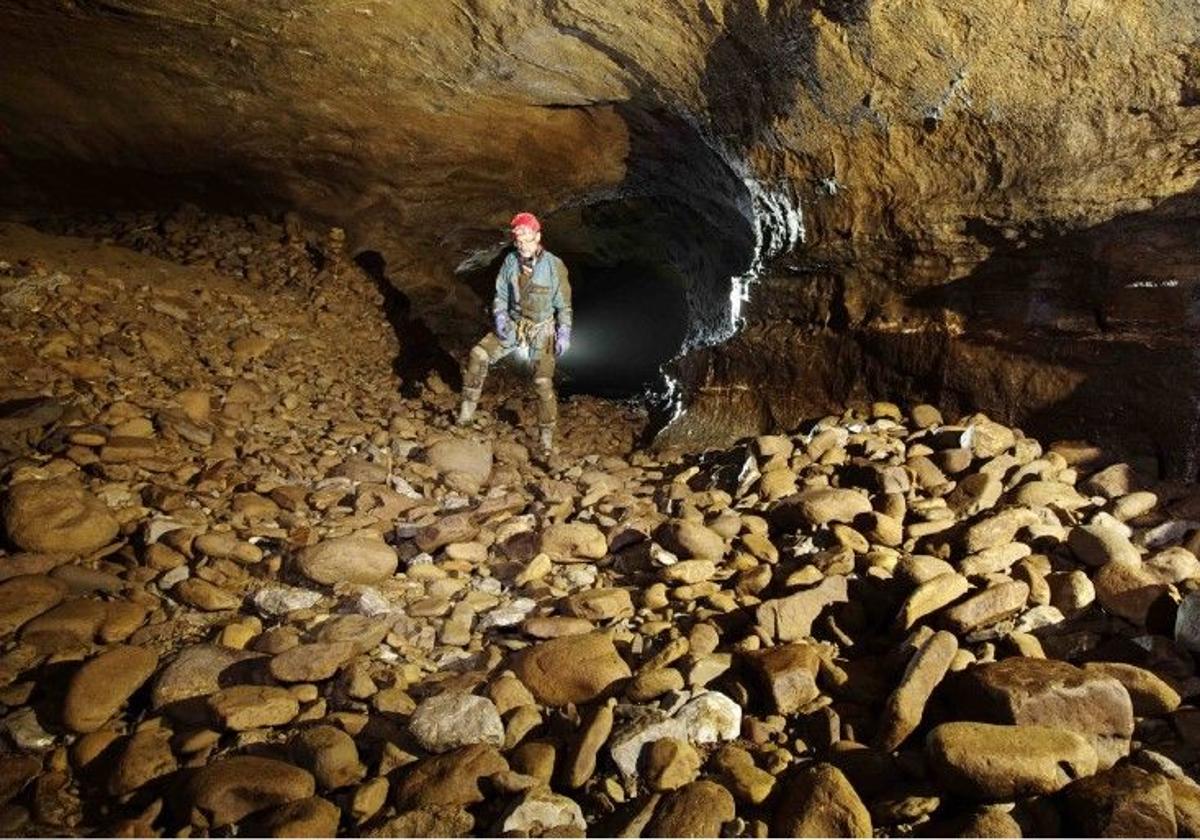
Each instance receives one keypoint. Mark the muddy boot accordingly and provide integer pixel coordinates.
(546, 439)
(470, 401)
(466, 412)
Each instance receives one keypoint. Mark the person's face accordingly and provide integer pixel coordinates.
(527, 240)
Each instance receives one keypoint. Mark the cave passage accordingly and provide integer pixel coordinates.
(652, 262)
(630, 318)
(648, 275)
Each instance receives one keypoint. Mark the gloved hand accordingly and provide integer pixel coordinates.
(503, 327)
(562, 340)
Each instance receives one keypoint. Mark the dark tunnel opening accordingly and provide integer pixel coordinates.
(632, 318)
(646, 277)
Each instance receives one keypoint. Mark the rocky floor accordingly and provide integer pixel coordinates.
(249, 588)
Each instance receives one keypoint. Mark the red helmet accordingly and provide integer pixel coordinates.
(525, 220)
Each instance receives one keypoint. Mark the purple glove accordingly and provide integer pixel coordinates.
(502, 325)
(562, 340)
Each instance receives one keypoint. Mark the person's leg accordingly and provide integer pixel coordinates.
(543, 384)
(482, 355)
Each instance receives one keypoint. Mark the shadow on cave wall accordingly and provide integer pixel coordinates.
(420, 353)
(1117, 306)
(754, 67)
(763, 58)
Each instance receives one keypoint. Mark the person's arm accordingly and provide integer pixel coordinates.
(562, 295)
(562, 308)
(501, 301)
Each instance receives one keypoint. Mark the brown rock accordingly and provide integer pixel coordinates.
(329, 754)
(998, 529)
(990, 762)
(450, 779)
(975, 493)
(1097, 545)
(310, 662)
(1129, 589)
(536, 759)
(1047, 692)
(602, 604)
(987, 607)
(1071, 592)
(790, 618)
(427, 822)
(363, 632)
(573, 669)
(146, 757)
(1185, 795)
(648, 685)
(1125, 801)
(348, 560)
(507, 693)
(986, 822)
(99, 688)
(464, 464)
(698, 809)
(741, 776)
(930, 596)
(1150, 694)
(77, 620)
(691, 539)
(1045, 493)
(25, 597)
(820, 802)
(688, 572)
(670, 763)
(311, 817)
(198, 671)
(582, 762)
(58, 515)
(819, 506)
(16, 771)
(229, 789)
(121, 620)
(252, 706)
(573, 540)
(904, 708)
(555, 626)
(777, 484)
(203, 595)
(455, 528)
(788, 674)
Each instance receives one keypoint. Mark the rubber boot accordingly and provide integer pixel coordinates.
(546, 439)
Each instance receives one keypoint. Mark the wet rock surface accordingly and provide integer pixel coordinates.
(286, 600)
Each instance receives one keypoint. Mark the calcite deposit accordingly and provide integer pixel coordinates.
(255, 582)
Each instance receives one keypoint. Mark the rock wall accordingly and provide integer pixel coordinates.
(923, 186)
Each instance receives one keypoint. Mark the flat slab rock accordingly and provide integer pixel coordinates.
(984, 761)
(570, 669)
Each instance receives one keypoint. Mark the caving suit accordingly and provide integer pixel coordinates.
(535, 299)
